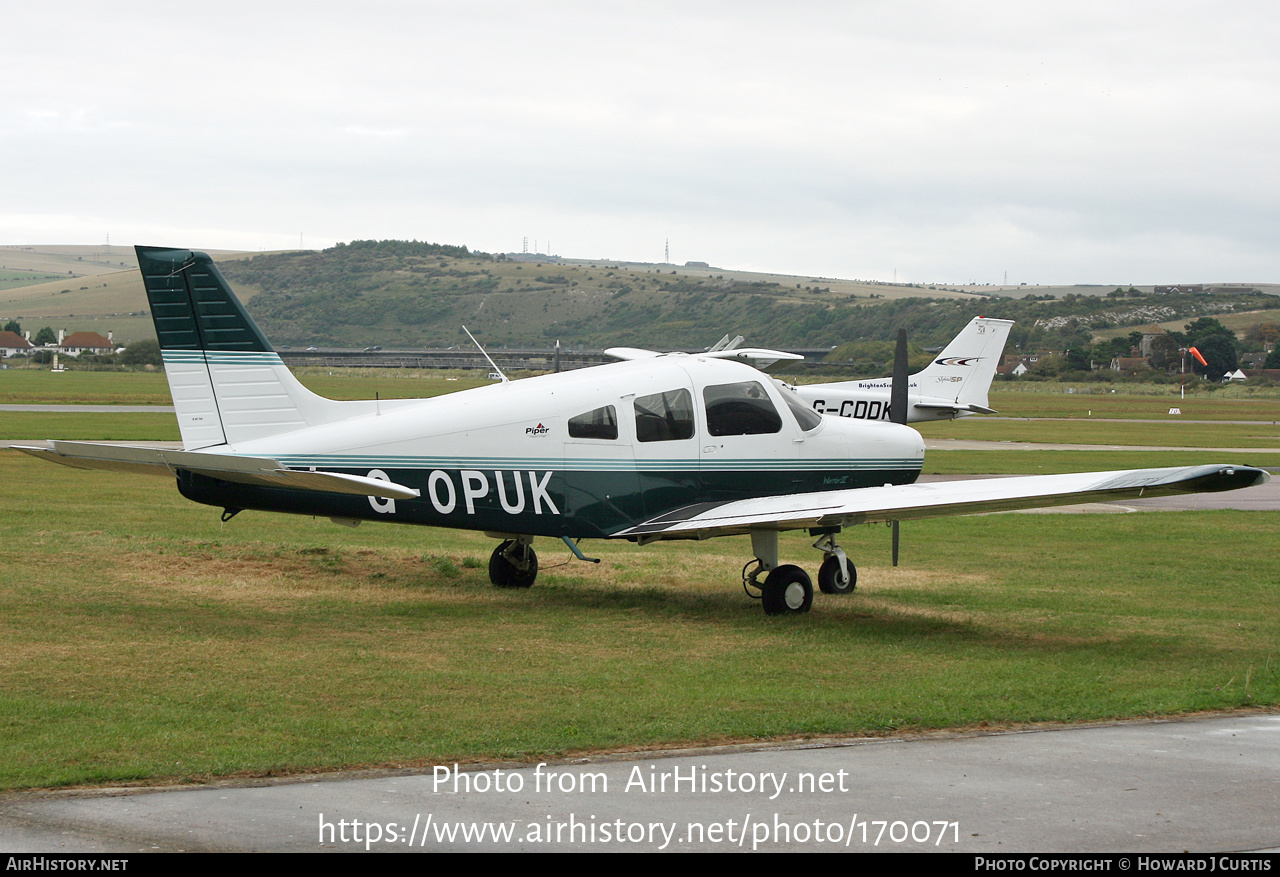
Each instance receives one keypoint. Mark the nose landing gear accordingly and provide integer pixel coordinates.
(787, 589)
(837, 575)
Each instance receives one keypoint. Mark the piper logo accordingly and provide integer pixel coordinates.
(537, 430)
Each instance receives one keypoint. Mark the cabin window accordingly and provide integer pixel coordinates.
(602, 423)
(805, 416)
(740, 409)
(664, 417)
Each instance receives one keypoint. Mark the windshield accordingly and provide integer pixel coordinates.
(805, 416)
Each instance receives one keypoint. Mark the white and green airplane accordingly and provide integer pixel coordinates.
(673, 446)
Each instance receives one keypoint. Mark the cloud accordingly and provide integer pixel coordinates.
(1069, 142)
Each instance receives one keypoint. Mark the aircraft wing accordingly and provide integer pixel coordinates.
(845, 508)
(225, 467)
(630, 353)
(758, 357)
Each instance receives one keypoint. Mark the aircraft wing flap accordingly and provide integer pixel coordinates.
(225, 467)
(905, 502)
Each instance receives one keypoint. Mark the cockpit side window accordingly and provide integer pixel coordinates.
(740, 409)
(664, 417)
(805, 416)
(601, 423)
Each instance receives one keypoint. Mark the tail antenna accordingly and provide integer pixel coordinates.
(497, 370)
(183, 267)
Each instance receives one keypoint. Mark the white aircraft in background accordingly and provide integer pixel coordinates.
(954, 385)
(662, 447)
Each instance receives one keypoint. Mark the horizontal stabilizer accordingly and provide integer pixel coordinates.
(845, 508)
(953, 406)
(224, 467)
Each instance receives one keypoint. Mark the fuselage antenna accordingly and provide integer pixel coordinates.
(496, 370)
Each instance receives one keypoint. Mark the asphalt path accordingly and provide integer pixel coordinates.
(1180, 419)
(1205, 785)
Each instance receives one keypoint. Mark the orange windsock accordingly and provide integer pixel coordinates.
(1199, 358)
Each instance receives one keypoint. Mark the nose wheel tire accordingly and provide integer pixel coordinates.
(787, 590)
(829, 580)
(513, 565)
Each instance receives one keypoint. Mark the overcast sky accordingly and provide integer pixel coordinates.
(937, 140)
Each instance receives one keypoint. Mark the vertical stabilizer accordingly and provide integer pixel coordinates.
(955, 384)
(964, 370)
(228, 385)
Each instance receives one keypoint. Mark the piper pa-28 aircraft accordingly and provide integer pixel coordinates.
(666, 447)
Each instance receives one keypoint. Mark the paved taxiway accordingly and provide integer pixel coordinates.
(1199, 785)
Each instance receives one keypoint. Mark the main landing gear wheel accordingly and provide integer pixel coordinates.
(787, 589)
(830, 580)
(513, 565)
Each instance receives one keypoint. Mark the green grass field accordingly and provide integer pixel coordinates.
(1109, 432)
(33, 386)
(1145, 401)
(143, 641)
(10, 279)
(1036, 462)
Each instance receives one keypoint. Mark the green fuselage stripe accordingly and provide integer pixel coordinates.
(521, 496)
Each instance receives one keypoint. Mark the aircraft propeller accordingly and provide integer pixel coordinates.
(898, 404)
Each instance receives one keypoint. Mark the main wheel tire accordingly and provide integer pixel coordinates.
(829, 577)
(787, 589)
(506, 573)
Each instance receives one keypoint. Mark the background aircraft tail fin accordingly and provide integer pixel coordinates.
(964, 370)
(228, 384)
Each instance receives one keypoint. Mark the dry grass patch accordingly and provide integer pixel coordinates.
(276, 578)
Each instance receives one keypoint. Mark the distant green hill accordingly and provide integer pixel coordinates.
(395, 293)
(410, 294)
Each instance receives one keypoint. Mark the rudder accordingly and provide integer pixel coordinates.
(228, 384)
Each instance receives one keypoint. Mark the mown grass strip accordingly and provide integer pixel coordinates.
(130, 427)
(1037, 462)
(1203, 401)
(1172, 433)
